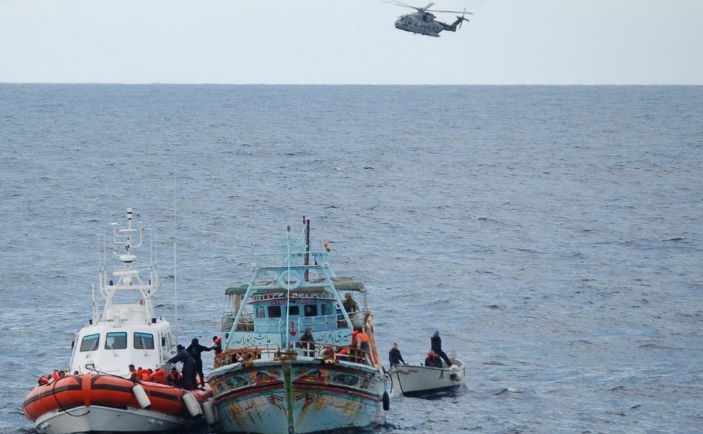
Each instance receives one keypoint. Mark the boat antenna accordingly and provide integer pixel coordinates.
(306, 222)
(288, 285)
(175, 269)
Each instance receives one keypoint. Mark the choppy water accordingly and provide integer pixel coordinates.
(552, 234)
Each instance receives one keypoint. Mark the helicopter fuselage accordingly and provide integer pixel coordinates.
(420, 22)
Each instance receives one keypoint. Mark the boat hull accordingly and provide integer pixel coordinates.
(96, 402)
(423, 381)
(299, 396)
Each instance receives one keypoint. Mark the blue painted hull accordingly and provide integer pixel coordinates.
(298, 396)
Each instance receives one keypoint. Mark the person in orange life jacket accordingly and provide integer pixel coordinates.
(217, 347)
(189, 373)
(55, 374)
(175, 378)
(195, 349)
(436, 342)
(432, 360)
(43, 380)
(159, 376)
(362, 339)
(394, 356)
(143, 374)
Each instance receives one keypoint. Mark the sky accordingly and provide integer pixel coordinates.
(506, 42)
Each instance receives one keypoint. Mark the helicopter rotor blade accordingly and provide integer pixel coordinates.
(397, 3)
(449, 12)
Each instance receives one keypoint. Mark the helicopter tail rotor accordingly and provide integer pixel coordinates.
(462, 19)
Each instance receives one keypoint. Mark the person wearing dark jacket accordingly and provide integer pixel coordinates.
(195, 349)
(394, 356)
(188, 367)
(307, 342)
(437, 348)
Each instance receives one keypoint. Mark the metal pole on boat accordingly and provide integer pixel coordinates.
(307, 246)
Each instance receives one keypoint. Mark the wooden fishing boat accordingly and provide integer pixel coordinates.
(268, 380)
(102, 395)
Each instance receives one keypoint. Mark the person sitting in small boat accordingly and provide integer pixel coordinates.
(432, 360)
(175, 378)
(133, 375)
(144, 374)
(189, 374)
(159, 376)
(394, 356)
(43, 380)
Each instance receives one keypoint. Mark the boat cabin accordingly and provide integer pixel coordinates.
(111, 346)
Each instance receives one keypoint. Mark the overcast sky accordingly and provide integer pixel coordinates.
(350, 42)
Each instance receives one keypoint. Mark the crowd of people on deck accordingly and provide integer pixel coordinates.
(190, 377)
(54, 376)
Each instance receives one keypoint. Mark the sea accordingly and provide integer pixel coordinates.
(552, 234)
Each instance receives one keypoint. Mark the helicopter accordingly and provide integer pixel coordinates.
(423, 21)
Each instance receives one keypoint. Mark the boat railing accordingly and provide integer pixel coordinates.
(328, 353)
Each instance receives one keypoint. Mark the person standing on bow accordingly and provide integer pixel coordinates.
(394, 356)
(195, 350)
(436, 342)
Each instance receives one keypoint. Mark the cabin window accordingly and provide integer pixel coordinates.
(116, 341)
(260, 312)
(90, 343)
(293, 310)
(274, 311)
(143, 341)
(310, 310)
(326, 309)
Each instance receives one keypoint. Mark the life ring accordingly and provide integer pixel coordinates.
(289, 279)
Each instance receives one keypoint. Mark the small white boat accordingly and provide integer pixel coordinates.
(425, 381)
(100, 394)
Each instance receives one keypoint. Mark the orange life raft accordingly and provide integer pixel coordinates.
(110, 391)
